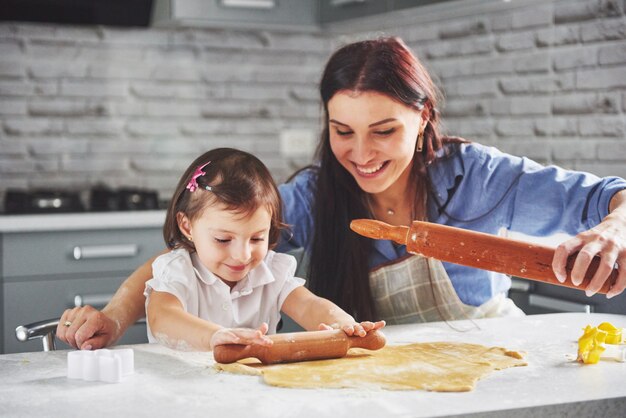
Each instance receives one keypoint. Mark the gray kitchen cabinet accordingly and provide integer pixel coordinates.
(46, 272)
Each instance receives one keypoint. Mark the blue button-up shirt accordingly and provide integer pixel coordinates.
(482, 189)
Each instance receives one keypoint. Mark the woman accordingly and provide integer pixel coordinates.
(381, 156)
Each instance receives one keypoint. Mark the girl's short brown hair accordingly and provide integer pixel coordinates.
(237, 180)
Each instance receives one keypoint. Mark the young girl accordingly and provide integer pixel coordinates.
(221, 283)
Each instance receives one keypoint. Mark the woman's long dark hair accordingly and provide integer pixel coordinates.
(339, 265)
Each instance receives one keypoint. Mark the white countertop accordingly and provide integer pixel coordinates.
(81, 221)
(169, 383)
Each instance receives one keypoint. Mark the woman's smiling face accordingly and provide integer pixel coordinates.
(373, 137)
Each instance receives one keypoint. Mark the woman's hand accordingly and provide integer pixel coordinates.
(243, 336)
(357, 329)
(86, 328)
(606, 240)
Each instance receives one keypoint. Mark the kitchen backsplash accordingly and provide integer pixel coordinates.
(81, 106)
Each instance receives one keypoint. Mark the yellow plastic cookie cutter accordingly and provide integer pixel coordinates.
(613, 334)
(591, 344)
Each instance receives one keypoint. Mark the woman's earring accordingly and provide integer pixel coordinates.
(420, 141)
(190, 238)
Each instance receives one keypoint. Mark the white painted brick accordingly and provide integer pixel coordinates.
(83, 34)
(22, 88)
(502, 22)
(45, 69)
(227, 109)
(13, 147)
(470, 128)
(39, 30)
(305, 94)
(586, 103)
(604, 30)
(624, 102)
(497, 65)
(530, 106)
(251, 58)
(302, 111)
(512, 127)
(93, 88)
(536, 150)
(133, 36)
(612, 54)
(574, 58)
(10, 48)
(533, 63)
(532, 17)
(53, 50)
(452, 68)
(613, 150)
(574, 11)
(557, 35)
(206, 127)
(171, 53)
(556, 126)
(12, 69)
(226, 39)
(149, 128)
(13, 107)
(573, 150)
(52, 146)
(455, 48)
(417, 33)
(296, 42)
(33, 126)
(602, 168)
(603, 126)
(16, 166)
(120, 70)
(175, 72)
(104, 52)
(601, 79)
(172, 109)
(102, 164)
(463, 28)
(297, 74)
(259, 92)
(460, 108)
(476, 87)
(516, 41)
(96, 127)
(68, 108)
(215, 73)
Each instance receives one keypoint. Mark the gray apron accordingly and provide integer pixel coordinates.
(418, 289)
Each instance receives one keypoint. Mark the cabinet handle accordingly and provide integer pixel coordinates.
(105, 251)
(548, 302)
(97, 301)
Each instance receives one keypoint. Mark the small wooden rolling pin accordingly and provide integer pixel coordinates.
(300, 346)
(480, 250)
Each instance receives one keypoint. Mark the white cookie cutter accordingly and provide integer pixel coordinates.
(103, 365)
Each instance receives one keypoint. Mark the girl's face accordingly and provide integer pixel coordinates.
(373, 137)
(227, 243)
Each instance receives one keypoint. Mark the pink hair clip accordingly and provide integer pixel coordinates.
(193, 184)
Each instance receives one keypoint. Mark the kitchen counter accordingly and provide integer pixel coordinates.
(171, 383)
(81, 221)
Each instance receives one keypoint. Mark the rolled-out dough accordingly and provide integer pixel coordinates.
(438, 366)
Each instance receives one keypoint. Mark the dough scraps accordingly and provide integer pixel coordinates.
(437, 366)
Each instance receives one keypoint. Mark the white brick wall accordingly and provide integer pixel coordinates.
(131, 107)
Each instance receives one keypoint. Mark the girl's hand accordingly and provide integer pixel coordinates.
(607, 240)
(243, 336)
(356, 329)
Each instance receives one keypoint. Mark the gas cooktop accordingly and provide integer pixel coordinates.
(97, 199)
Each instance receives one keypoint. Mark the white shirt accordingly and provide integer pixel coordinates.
(257, 298)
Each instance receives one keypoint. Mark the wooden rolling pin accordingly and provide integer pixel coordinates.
(300, 346)
(480, 250)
